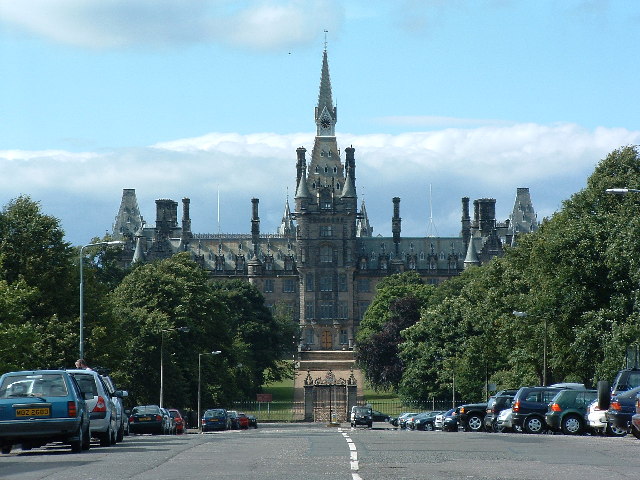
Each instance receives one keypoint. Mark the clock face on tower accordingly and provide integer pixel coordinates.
(325, 123)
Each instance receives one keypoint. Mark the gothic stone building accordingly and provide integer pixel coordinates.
(324, 262)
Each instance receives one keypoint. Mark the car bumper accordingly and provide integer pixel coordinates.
(147, 427)
(620, 420)
(552, 421)
(44, 428)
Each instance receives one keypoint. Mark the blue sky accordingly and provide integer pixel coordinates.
(191, 98)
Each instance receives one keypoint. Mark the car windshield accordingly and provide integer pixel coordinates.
(37, 385)
(174, 413)
(214, 413)
(145, 409)
(362, 410)
(629, 393)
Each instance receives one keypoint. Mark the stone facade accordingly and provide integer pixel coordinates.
(324, 263)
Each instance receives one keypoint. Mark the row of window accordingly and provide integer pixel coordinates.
(327, 310)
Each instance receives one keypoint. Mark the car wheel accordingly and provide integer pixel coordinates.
(572, 425)
(614, 431)
(370, 424)
(428, 427)
(635, 432)
(533, 425)
(6, 449)
(105, 438)
(120, 435)
(76, 445)
(474, 424)
(604, 395)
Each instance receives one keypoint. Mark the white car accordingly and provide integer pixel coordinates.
(505, 423)
(102, 411)
(597, 421)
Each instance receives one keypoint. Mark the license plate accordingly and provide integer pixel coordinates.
(33, 412)
(144, 419)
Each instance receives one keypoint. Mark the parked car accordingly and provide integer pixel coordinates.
(402, 419)
(361, 416)
(377, 416)
(439, 421)
(495, 405)
(180, 421)
(169, 422)
(425, 421)
(122, 419)
(233, 419)
(471, 416)
(42, 406)
(568, 409)
(147, 419)
(253, 421)
(626, 379)
(102, 409)
(243, 420)
(450, 421)
(504, 423)
(395, 421)
(530, 406)
(215, 419)
(635, 419)
(621, 408)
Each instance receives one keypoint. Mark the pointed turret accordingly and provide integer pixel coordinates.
(286, 226)
(128, 220)
(471, 260)
(523, 218)
(363, 228)
(138, 255)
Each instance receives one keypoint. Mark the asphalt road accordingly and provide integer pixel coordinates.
(316, 451)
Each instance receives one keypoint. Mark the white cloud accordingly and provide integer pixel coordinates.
(84, 189)
(253, 24)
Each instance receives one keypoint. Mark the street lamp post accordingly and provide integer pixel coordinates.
(114, 242)
(544, 346)
(216, 352)
(621, 191)
(162, 332)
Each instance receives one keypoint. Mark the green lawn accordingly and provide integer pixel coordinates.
(282, 391)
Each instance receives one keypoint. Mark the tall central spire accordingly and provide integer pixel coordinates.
(326, 114)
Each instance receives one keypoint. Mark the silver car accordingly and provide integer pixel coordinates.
(102, 411)
(122, 420)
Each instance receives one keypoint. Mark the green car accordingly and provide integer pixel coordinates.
(568, 409)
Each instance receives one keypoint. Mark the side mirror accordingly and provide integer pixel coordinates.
(121, 393)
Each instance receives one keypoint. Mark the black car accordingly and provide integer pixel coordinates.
(530, 406)
(147, 419)
(471, 416)
(377, 416)
(450, 422)
(361, 416)
(621, 408)
(495, 405)
(424, 421)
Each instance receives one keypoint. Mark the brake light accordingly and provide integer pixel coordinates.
(101, 405)
(516, 406)
(72, 409)
(616, 406)
(555, 407)
(638, 405)
(132, 419)
(158, 418)
(461, 409)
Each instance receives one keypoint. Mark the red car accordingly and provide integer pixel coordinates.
(181, 422)
(243, 420)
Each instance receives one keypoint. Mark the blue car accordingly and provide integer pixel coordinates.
(216, 419)
(621, 409)
(42, 406)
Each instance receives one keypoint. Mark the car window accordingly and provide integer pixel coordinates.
(548, 395)
(629, 393)
(533, 397)
(86, 383)
(45, 385)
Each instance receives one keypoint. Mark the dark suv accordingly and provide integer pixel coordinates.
(496, 404)
(471, 416)
(530, 406)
